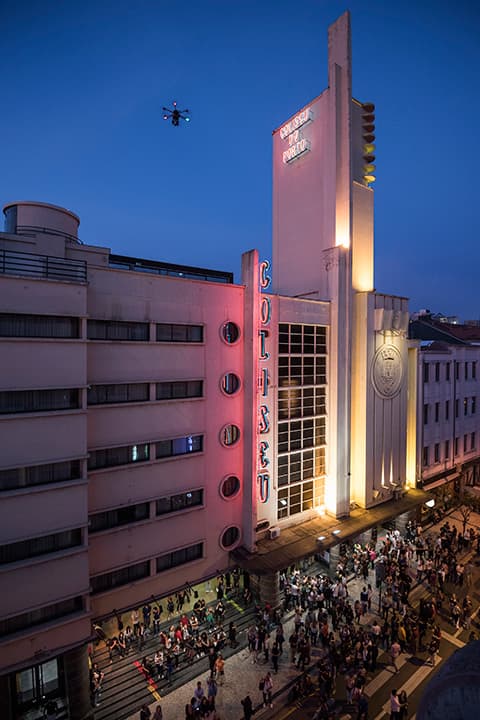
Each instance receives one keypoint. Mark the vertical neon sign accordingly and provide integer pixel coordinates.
(263, 426)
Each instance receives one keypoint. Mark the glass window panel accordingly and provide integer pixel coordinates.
(282, 470)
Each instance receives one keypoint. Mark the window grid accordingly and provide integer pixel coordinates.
(118, 517)
(179, 389)
(179, 557)
(39, 326)
(117, 578)
(302, 407)
(118, 393)
(40, 616)
(169, 332)
(179, 502)
(125, 455)
(34, 547)
(18, 478)
(118, 330)
(31, 401)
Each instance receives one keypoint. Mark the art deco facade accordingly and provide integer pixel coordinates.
(161, 423)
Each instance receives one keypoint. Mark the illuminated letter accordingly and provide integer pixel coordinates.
(265, 311)
(264, 486)
(264, 382)
(265, 279)
(263, 448)
(264, 424)
(264, 355)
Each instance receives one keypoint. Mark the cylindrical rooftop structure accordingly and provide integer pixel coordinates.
(27, 217)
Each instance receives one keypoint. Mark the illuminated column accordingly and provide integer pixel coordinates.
(411, 469)
(337, 485)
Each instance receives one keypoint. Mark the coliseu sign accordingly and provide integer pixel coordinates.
(263, 428)
(292, 131)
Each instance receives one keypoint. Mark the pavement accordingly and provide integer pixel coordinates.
(242, 675)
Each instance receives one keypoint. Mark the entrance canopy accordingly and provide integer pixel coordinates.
(301, 541)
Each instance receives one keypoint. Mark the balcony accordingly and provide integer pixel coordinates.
(42, 266)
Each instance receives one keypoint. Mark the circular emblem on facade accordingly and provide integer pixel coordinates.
(387, 371)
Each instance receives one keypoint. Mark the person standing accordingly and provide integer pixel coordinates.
(395, 650)
(247, 707)
(275, 657)
(267, 690)
(403, 700)
(394, 706)
(220, 669)
(145, 713)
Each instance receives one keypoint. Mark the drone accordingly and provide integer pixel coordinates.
(176, 115)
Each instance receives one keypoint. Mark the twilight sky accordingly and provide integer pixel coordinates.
(84, 82)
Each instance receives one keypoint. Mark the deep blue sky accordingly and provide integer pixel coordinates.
(83, 84)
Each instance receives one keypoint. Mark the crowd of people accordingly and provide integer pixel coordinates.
(348, 632)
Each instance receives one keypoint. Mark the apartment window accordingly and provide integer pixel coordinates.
(457, 446)
(25, 549)
(425, 456)
(39, 326)
(118, 330)
(182, 501)
(179, 557)
(179, 446)
(18, 478)
(466, 370)
(474, 405)
(465, 406)
(167, 332)
(426, 372)
(436, 452)
(474, 370)
(447, 409)
(447, 372)
(40, 616)
(457, 407)
(447, 449)
(457, 370)
(425, 414)
(465, 443)
(179, 389)
(30, 401)
(117, 578)
(122, 393)
(472, 441)
(437, 411)
(118, 517)
(437, 372)
(111, 457)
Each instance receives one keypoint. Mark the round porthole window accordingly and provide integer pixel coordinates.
(229, 487)
(230, 383)
(230, 537)
(230, 435)
(230, 333)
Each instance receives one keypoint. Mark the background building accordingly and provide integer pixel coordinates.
(448, 448)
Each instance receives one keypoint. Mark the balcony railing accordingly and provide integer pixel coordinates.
(42, 266)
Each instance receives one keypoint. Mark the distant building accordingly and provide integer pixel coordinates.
(448, 429)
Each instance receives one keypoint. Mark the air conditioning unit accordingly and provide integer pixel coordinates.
(274, 533)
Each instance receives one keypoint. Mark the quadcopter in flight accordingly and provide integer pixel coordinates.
(176, 115)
